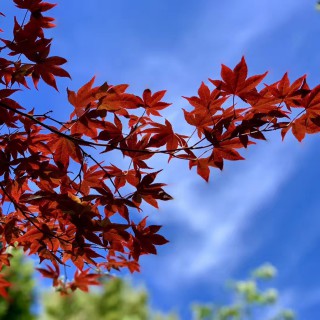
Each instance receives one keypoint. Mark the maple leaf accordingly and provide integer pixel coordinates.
(47, 69)
(149, 191)
(301, 126)
(220, 153)
(34, 5)
(137, 150)
(7, 115)
(10, 230)
(63, 149)
(207, 102)
(16, 144)
(111, 132)
(203, 165)
(15, 188)
(25, 40)
(79, 256)
(235, 81)
(122, 177)
(83, 98)
(289, 94)
(152, 102)
(115, 237)
(4, 284)
(51, 273)
(307, 122)
(135, 121)
(4, 258)
(311, 101)
(4, 93)
(91, 178)
(121, 206)
(31, 236)
(164, 135)
(146, 238)
(114, 98)
(86, 124)
(199, 120)
(82, 280)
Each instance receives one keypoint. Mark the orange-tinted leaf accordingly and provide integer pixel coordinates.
(164, 135)
(91, 178)
(64, 149)
(4, 284)
(51, 273)
(236, 82)
(83, 98)
(152, 102)
(203, 165)
(83, 279)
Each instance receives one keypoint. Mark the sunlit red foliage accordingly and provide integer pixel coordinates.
(69, 204)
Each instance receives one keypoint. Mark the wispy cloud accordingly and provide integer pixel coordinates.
(211, 220)
(226, 29)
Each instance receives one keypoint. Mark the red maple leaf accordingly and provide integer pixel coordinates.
(146, 238)
(149, 191)
(63, 149)
(47, 69)
(152, 102)
(92, 178)
(164, 135)
(52, 273)
(84, 279)
(235, 81)
(4, 284)
(83, 99)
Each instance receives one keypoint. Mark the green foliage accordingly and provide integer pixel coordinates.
(251, 300)
(116, 301)
(21, 292)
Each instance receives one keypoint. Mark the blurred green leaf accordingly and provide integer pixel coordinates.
(266, 271)
(22, 289)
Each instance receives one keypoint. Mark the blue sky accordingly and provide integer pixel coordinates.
(263, 209)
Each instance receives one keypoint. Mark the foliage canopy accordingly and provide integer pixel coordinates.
(70, 206)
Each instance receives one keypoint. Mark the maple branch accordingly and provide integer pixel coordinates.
(234, 109)
(45, 115)
(92, 144)
(83, 141)
(53, 130)
(299, 114)
(203, 153)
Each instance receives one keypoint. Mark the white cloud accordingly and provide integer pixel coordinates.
(229, 26)
(212, 219)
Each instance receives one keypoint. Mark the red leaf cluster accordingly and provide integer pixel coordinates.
(29, 42)
(66, 203)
